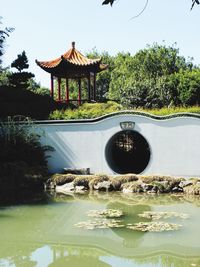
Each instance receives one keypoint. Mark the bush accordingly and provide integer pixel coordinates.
(16, 101)
(23, 161)
(86, 111)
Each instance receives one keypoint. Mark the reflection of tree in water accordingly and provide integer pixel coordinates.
(130, 238)
(19, 255)
(77, 257)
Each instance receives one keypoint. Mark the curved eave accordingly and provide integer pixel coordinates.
(64, 68)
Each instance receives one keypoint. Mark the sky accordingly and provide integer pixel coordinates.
(46, 28)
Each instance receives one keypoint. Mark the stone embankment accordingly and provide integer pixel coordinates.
(129, 183)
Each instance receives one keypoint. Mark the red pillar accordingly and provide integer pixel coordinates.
(89, 88)
(67, 91)
(52, 86)
(79, 91)
(59, 89)
(94, 92)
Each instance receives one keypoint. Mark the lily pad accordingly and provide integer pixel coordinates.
(108, 213)
(100, 224)
(163, 215)
(154, 226)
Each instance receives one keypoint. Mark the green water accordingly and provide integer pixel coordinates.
(43, 234)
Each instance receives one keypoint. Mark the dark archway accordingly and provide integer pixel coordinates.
(127, 152)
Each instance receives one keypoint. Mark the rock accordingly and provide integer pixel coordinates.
(177, 189)
(68, 187)
(185, 183)
(146, 187)
(76, 171)
(127, 190)
(80, 188)
(103, 186)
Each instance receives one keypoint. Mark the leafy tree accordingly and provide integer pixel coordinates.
(106, 2)
(148, 78)
(188, 87)
(104, 77)
(21, 79)
(21, 62)
(4, 33)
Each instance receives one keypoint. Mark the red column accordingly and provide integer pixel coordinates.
(59, 89)
(89, 88)
(52, 86)
(79, 91)
(94, 92)
(67, 91)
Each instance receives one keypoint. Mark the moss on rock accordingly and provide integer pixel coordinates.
(118, 181)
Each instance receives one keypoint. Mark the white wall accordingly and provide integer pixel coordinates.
(174, 144)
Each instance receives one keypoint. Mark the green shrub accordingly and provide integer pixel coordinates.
(86, 111)
(17, 101)
(23, 161)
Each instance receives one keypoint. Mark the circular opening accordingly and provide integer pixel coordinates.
(127, 152)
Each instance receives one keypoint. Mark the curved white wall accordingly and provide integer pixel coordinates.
(174, 144)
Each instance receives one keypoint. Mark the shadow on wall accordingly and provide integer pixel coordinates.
(64, 157)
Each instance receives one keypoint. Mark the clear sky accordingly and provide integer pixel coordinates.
(46, 28)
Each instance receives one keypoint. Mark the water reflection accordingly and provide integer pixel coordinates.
(45, 235)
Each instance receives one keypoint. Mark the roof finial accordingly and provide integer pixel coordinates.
(73, 45)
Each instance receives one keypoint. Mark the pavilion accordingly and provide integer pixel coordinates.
(73, 65)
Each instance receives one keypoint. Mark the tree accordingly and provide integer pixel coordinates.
(4, 33)
(106, 2)
(104, 77)
(20, 79)
(21, 62)
(150, 77)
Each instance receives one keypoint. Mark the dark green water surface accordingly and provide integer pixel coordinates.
(44, 234)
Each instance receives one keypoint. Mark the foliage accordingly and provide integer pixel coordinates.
(21, 62)
(106, 2)
(4, 33)
(22, 156)
(149, 78)
(17, 101)
(103, 78)
(20, 79)
(87, 110)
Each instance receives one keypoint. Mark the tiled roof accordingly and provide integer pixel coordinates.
(72, 56)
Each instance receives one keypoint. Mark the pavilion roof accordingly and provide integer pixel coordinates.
(72, 64)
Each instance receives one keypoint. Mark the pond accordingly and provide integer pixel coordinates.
(54, 231)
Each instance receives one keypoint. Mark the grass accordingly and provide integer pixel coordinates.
(95, 110)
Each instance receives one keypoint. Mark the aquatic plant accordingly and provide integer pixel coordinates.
(157, 215)
(108, 213)
(154, 226)
(100, 224)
